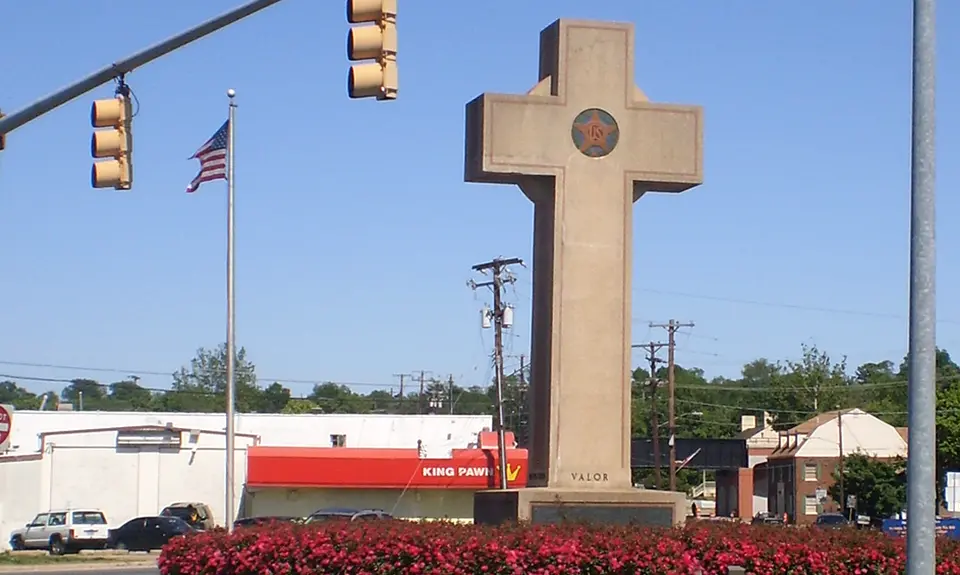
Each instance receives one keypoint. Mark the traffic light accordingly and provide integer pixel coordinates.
(116, 143)
(377, 42)
(3, 137)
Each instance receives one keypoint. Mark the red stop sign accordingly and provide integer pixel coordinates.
(6, 421)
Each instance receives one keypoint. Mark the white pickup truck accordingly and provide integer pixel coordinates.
(63, 531)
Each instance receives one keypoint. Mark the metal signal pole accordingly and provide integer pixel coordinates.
(498, 266)
(922, 367)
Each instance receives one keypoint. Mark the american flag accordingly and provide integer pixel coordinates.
(213, 158)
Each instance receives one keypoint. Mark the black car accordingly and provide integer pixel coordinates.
(147, 533)
(831, 521)
(346, 514)
(256, 521)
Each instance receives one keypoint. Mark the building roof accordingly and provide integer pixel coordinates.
(817, 420)
(748, 433)
(820, 436)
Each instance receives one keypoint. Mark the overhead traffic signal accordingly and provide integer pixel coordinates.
(373, 42)
(116, 143)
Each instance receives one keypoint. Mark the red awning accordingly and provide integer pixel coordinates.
(346, 467)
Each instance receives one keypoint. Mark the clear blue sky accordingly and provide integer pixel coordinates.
(356, 233)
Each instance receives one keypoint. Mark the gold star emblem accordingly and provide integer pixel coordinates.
(594, 132)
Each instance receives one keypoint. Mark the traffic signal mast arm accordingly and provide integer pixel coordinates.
(117, 69)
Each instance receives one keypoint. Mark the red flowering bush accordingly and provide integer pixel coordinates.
(399, 547)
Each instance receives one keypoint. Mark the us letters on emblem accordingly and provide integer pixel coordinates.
(589, 477)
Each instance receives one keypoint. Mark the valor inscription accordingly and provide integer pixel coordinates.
(594, 477)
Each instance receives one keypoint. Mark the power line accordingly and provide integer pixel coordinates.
(126, 373)
(777, 410)
(784, 305)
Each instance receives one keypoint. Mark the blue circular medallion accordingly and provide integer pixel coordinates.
(595, 133)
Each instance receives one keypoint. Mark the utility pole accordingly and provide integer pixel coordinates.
(522, 414)
(843, 494)
(499, 268)
(672, 326)
(420, 395)
(402, 376)
(652, 348)
(450, 392)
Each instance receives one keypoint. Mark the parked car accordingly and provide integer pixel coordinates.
(63, 531)
(767, 519)
(198, 515)
(147, 533)
(346, 514)
(831, 521)
(255, 521)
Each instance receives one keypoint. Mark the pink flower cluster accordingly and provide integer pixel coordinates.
(399, 547)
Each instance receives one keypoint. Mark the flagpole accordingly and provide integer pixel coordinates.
(231, 328)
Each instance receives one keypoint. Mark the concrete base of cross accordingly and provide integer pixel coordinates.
(541, 505)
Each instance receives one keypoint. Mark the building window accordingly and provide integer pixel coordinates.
(811, 472)
(338, 440)
(810, 505)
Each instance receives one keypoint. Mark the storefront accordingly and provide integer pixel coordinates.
(299, 480)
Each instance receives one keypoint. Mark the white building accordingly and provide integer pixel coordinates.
(131, 464)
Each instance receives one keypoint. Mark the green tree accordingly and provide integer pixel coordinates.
(127, 395)
(18, 397)
(880, 486)
(948, 430)
(202, 386)
(813, 385)
(273, 398)
(299, 406)
(89, 392)
(336, 398)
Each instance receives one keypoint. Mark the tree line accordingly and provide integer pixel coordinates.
(788, 391)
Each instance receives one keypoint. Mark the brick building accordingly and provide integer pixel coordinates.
(806, 455)
(744, 491)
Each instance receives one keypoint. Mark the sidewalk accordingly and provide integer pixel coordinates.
(40, 561)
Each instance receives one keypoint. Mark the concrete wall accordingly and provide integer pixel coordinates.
(20, 488)
(89, 468)
(452, 504)
(439, 433)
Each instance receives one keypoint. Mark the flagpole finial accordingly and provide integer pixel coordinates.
(231, 93)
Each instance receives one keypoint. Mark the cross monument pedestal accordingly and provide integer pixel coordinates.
(583, 145)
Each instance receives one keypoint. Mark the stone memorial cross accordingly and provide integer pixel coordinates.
(583, 145)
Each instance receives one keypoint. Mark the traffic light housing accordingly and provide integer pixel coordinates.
(372, 42)
(115, 143)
